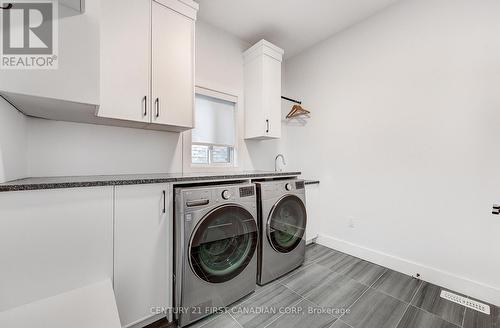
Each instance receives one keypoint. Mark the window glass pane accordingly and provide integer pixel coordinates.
(199, 154)
(221, 154)
(214, 121)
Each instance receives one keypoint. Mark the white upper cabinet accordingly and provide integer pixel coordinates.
(263, 91)
(122, 62)
(125, 60)
(173, 67)
(147, 73)
(77, 6)
(75, 81)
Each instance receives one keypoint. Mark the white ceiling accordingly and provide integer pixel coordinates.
(294, 25)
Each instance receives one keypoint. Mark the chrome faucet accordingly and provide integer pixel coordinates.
(276, 162)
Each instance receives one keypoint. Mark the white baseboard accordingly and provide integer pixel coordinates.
(311, 240)
(445, 279)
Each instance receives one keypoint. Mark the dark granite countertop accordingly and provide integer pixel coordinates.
(115, 180)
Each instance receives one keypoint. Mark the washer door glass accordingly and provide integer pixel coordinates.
(223, 243)
(287, 224)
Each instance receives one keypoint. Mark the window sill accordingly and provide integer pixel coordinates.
(213, 168)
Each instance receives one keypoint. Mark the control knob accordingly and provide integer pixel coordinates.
(226, 194)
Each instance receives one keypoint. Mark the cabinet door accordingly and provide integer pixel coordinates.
(125, 60)
(53, 241)
(173, 67)
(272, 96)
(255, 114)
(143, 251)
(263, 91)
(77, 77)
(313, 206)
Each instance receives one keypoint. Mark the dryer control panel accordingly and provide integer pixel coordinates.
(279, 187)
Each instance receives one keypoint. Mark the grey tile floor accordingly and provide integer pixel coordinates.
(336, 290)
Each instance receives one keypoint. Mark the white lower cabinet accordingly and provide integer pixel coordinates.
(53, 241)
(313, 207)
(143, 251)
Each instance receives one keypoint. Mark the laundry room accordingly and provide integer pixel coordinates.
(232, 163)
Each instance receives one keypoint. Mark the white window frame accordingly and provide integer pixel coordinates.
(234, 154)
(211, 163)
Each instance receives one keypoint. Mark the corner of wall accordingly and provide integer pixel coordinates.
(13, 152)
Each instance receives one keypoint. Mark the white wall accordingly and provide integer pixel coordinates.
(13, 143)
(404, 137)
(219, 59)
(63, 148)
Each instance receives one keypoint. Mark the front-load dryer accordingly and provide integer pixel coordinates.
(216, 237)
(282, 224)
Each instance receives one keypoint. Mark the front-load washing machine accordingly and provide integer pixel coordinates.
(216, 237)
(282, 224)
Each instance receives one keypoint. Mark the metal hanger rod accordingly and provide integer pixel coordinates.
(292, 100)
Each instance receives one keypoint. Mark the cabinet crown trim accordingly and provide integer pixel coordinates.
(264, 47)
(187, 8)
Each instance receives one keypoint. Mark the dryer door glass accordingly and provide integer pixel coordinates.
(287, 224)
(223, 243)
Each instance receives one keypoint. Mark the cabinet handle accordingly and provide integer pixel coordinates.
(164, 201)
(267, 123)
(145, 101)
(157, 104)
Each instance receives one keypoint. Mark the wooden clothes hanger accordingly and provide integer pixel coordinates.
(297, 110)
